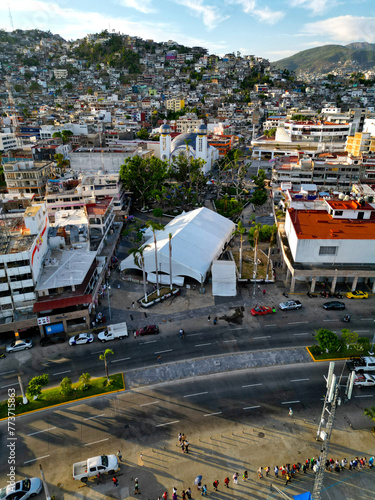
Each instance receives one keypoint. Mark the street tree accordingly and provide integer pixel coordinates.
(84, 380)
(61, 162)
(253, 240)
(155, 226)
(139, 260)
(240, 231)
(66, 386)
(328, 340)
(34, 389)
(103, 357)
(141, 176)
(272, 242)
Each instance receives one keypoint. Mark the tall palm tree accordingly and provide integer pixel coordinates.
(139, 261)
(155, 226)
(240, 231)
(103, 357)
(253, 239)
(272, 243)
(170, 261)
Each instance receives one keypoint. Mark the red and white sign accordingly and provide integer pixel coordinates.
(44, 321)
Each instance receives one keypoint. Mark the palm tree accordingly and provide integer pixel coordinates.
(370, 412)
(155, 226)
(272, 242)
(139, 261)
(253, 239)
(240, 231)
(103, 357)
(170, 260)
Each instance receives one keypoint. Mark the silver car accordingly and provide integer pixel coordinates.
(19, 345)
(21, 490)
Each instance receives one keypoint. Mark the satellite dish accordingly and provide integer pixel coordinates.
(366, 198)
(341, 196)
(347, 198)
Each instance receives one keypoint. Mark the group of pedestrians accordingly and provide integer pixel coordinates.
(183, 443)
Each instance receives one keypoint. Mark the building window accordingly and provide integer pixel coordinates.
(338, 213)
(328, 250)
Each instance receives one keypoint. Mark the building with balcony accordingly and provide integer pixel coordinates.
(28, 176)
(101, 218)
(101, 186)
(7, 142)
(66, 194)
(360, 143)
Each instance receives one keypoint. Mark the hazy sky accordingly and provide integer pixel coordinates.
(268, 28)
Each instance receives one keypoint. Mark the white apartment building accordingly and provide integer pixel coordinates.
(7, 141)
(28, 176)
(23, 245)
(60, 73)
(102, 186)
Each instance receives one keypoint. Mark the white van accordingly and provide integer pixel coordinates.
(114, 332)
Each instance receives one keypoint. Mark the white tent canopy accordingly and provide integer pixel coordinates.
(224, 279)
(198, 238)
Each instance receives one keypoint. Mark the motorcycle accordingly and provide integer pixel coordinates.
(285, 295)
(339, 295)
(346, 319)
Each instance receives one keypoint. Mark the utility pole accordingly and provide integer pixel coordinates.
(331, 401)
(109, 301)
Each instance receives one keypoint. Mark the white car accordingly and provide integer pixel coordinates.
(364, 380)
(19, 345)
(22, 490)
(290, 304)
(81, 338)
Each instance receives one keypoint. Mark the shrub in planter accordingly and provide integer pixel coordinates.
(65, 386)
(316, 350)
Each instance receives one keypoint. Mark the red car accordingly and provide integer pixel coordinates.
(261, 310)
(147, 330)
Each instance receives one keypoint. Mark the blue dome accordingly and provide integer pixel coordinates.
(179, 141)
(165, 129)
(201, 129)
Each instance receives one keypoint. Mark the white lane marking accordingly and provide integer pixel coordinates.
(211, 414)
(60, 373)
(122, 359)
(273, 324)
(366, 319)
(5, 373)
(301, 333)
(239, 328)
(250, 407)
(152, 403)
(328, 320)
(10, 385)
(289, 402)
(265, 337)
(196, 394)
(226, 341)
(97, 352)
(161, 352)
(95, 416)
(35, 459)
(194, 334)
(39, 432)
(365, 396)
(168, 423)
(362, 331)
(300, 379)
(297, 323)
(251, 385)
(150, 342)
(95, 442)
(202, 345)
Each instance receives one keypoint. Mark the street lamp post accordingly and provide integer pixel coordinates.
(109, 302)
(371, 352)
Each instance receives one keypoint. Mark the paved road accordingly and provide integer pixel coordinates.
(233, 421)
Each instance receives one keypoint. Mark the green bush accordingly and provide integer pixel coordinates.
(34, 388)
(65, 386)
(316, 350)
(328, 340)
(84, 380)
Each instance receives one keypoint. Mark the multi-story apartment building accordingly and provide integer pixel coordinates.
(60, 73)
(175, 104)
(315, 131)
(103, 186)
(7, 142)
(360, 143)
(28, 176)
(23, 245)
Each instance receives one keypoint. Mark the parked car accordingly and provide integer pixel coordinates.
(81, 338)
(362, 364)
(334, 305)
(19, 345)
(21, 490)
(51, 341)
(364, 380)
(261, 310)
(357, 295)
(147, 330)
(92, 466)
(290, 304)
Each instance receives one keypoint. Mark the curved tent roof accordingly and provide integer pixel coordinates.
(198, 238)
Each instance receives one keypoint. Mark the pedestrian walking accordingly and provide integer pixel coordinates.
(258, 288)
(183, 495)
(136, 487)
(182, 333)
(174, 491)
(267, 471)
(215, 484)
(188, 493)
(98, 478)
(186, 443)
(304, 468)
(215, 320)
(235, 478)
(204, 490)
(133, 305)
(119, 455)
(159, 359)
(370, 462)
(179, 438)
(260, 473)
(276, 470)
(183, 437)
(290, 412)
(182, 446)
(115, 481)
(226, 482)
(209, 318)
(244, 476)
(287, 479)
(264, 291)
(165, 495)
(174, 496)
